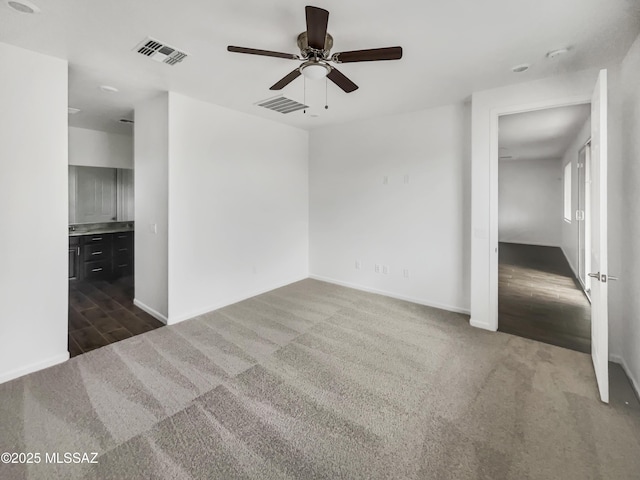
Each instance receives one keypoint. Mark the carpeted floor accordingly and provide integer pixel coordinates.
(319, 381)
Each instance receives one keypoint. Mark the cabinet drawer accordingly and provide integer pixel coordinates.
(98, 238)
(123, 250)
(93, 253)
(123, 236)
(96, 270)
(122, 268)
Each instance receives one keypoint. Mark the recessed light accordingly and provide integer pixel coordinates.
(23, 6)
(109, 89)
(557, 53)
(314, 115)
(520, 68)
(72, 111)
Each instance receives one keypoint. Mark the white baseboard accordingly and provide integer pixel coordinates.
(231, 301)
(483, 325)
(155, 314)
(535, 244)
(575, 274)
(34, 367)
(419, 301)
(634, 382)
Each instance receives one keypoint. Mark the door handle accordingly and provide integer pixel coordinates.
(603, 278)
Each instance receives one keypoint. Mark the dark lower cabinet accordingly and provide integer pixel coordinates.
(96, 270)
(101, 257)
(122, 254)
(74, 258)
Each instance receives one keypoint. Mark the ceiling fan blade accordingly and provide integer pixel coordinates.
(265, 53)
(370, 55)
(340, 80)
(279, 85)
(317, 20)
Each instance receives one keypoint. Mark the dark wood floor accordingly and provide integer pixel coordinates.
(539, 297)
(102, 312)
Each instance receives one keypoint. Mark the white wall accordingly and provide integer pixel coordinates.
(530, 202)
(486, 107)
(419, 224)
(238, 206)
(625, 221)
(151, 186)
(93, 148)
(33, 192)
(570, 229)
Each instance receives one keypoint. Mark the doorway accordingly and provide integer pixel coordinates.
(101, 241)
(541, 228)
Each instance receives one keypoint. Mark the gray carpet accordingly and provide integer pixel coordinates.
(318, 381)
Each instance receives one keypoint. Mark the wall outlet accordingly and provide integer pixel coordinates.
(385, 180)
(405, 273)
(406, 178)
(385, 269)
(358, 265)
(255, 269)
(376, 268)
(153, 228)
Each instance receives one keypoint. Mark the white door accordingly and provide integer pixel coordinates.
(599, 272)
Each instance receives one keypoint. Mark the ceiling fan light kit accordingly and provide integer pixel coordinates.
(315, 52)
(315, 70)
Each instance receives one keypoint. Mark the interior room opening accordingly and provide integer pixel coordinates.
(543, 226)
(101, 236)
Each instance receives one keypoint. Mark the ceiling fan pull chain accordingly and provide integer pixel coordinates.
(326, 93)
(304, 93)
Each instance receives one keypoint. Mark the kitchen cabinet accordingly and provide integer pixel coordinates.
(105, 256)
(96, 256)
(74, 257)
(122, 254)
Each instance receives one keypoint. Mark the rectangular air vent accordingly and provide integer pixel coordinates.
(281, 104)
(160, 52)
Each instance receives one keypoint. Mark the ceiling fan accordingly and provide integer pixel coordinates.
(315, 45)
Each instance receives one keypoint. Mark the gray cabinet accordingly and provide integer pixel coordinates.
(98, 195)
(101, 256)
(74, 258)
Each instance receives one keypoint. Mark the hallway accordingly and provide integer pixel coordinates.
(540, 299)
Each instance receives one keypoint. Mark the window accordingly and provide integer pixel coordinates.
(567, 192)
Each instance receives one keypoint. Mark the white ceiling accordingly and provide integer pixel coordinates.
(451, 48)
(542, 134)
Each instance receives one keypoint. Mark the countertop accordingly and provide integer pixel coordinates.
(98, 228)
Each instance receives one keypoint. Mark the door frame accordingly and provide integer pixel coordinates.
(494, 154)
(584, 260)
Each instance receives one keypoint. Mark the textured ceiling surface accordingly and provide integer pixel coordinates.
(451, 49)
(541, 134)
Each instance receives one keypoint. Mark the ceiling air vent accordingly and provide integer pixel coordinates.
(126, 121)
(281, 104)
(160, 52)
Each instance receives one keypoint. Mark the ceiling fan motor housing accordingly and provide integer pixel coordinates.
(303, 45)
